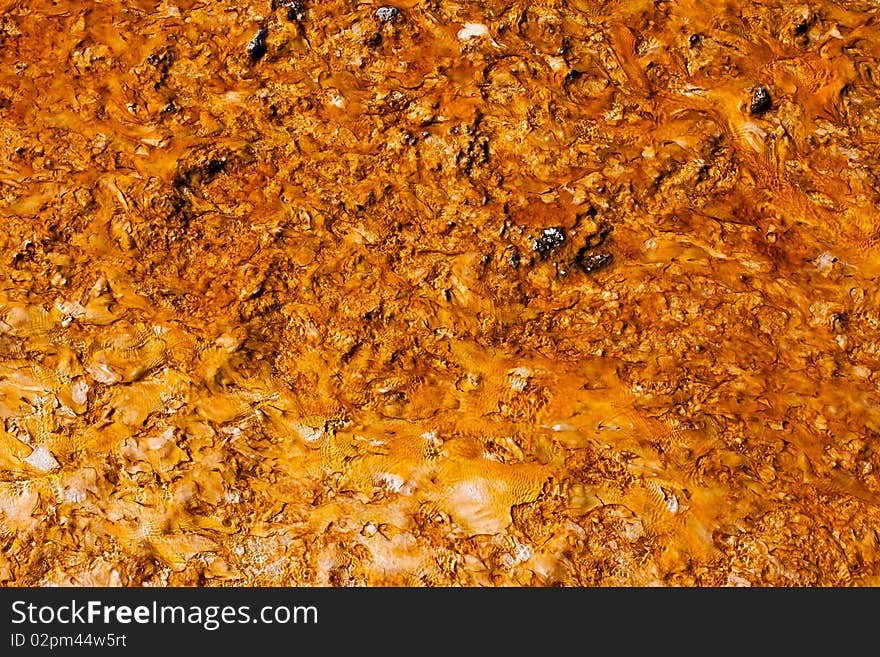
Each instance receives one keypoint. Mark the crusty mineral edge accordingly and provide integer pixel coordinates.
(555, 293)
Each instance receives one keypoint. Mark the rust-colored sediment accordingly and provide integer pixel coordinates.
(497, 293)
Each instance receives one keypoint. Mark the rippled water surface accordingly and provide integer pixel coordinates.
(481, 293)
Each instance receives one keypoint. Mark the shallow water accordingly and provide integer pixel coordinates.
(505, 293)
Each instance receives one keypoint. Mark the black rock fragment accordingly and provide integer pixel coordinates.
(296, 10)
(214, 166)
(387, 14)
(591, 262)
(549, 240)
(257, 46)
(760, 101)
(514, 260)
(572, 76)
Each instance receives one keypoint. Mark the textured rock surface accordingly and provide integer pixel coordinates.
(554, 293)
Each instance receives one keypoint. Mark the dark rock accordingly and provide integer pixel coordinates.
(592, 262)
(296, 10)
(387, 14)
(257, 46)
(514, 260)
(760, 101)
(549, 240)
(572, 76)
(214, 166)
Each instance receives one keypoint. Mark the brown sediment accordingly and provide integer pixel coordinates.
(556, 293)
